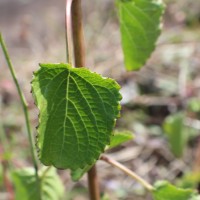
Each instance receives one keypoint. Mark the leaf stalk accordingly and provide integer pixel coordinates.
(127, 171)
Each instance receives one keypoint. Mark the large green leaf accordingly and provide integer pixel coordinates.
(78, 110)
(176, 133)
(27, 188)
(140, 28)
(166, 191)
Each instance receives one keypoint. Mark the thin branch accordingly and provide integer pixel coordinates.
(127, 171)
(23, 102)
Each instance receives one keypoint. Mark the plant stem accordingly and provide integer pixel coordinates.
(23, 102)
(68, 31)
(130, 173)
(93, 184)
(79, 58)
(78, 37)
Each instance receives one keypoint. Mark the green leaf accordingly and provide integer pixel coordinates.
(140, 28)
(189, 180)
(194, 104)
(78, 110)
(26, 187)
(176, 133)
(78, 173)
(119, 138)
(105, 197)
(166, 191)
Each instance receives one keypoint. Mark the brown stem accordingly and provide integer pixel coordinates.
(78, 37)
(68, 30)
(93, 184)
(79, 58)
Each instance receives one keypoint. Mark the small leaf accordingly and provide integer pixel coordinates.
(119, 138)
(166, 191)
(189, 180)
(105, 197)
(78, 110)
(175, 130)
(194, 104)
(78, 173)
(140, 28)
(26, 186)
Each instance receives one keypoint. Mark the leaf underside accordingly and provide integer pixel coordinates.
(140, 22)
(78, 110)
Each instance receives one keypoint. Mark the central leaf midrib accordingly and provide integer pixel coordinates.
(66, 115)
(99, 98)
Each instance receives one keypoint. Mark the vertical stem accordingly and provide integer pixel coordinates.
(93, 184)
(23, 102)
(68, 31)
(79, 58)
(78, 38)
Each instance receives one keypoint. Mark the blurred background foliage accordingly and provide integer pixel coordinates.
(161, 102)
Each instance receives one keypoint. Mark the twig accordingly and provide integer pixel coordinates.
(127, 171)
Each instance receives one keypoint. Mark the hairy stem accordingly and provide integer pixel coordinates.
(127, 171)
(23, 102)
